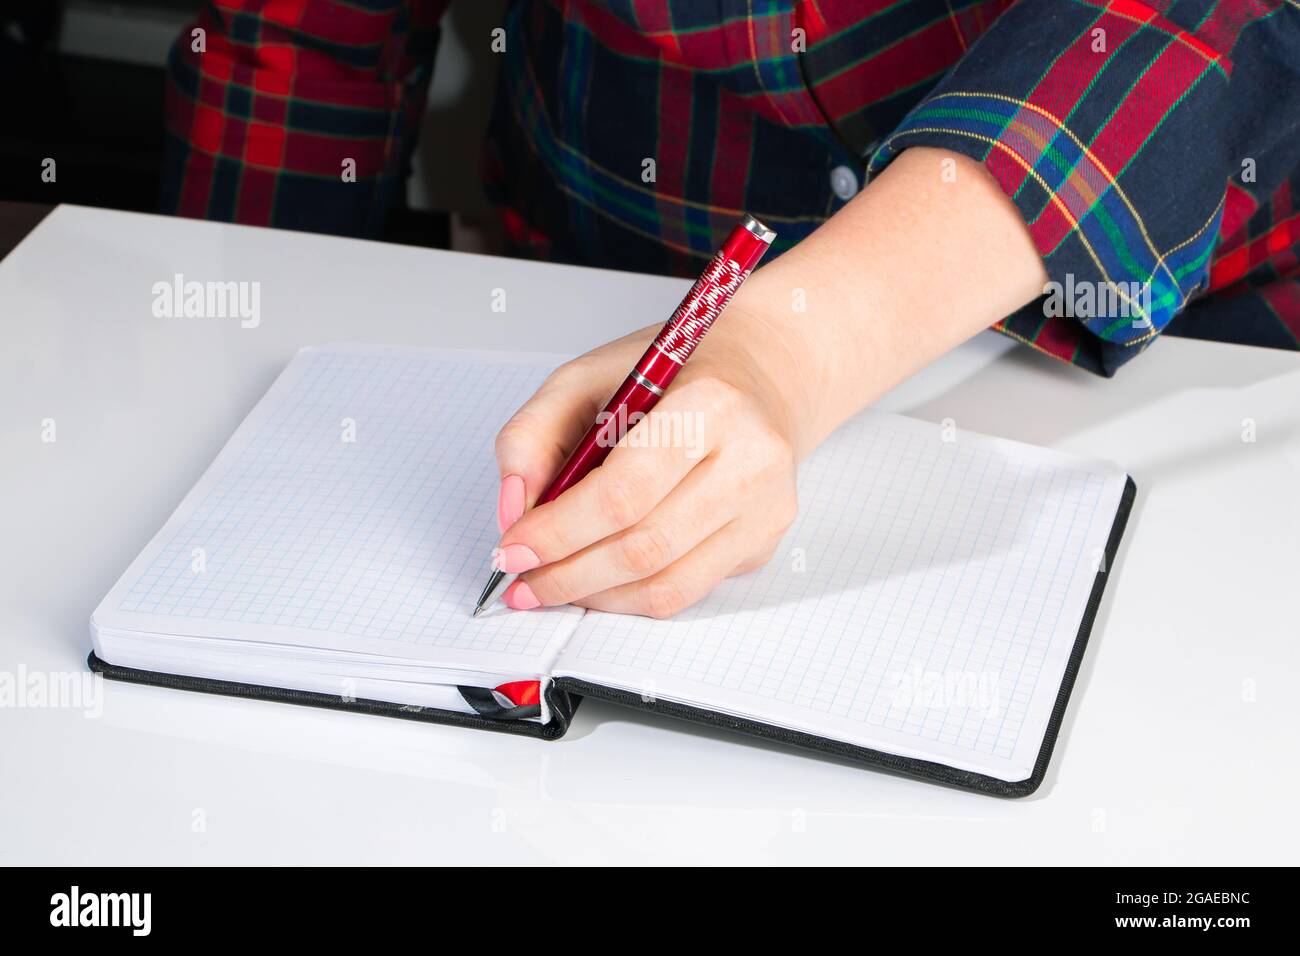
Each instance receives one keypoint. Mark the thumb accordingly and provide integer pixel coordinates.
(538, 438)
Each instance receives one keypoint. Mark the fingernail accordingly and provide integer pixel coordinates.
(520, 597)
(510, 503)
(516, 559)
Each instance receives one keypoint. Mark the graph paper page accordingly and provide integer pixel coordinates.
(354, 510)
(924, 603)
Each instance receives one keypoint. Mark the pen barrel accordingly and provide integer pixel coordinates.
(692, 319)
(728, 268)
(626, 407)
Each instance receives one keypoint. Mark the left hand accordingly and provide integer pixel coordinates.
(702, 489)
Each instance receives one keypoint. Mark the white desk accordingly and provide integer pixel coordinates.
(1179, 747)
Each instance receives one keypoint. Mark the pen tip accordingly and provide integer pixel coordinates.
(488, 593)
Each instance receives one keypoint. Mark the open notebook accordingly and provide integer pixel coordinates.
(926, 613)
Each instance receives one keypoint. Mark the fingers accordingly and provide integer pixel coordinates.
(532, 445)
(657, 525)
(630, 483)
(679, 585)
(702, 503)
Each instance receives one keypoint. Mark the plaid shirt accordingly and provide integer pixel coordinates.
(1151, 147)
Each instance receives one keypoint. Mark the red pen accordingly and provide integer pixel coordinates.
(656, 369)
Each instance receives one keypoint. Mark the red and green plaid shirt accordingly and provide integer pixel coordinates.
(1151, 146)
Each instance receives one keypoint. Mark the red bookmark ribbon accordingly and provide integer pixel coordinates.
(521, 693)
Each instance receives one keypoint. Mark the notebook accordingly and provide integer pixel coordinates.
(925, 614)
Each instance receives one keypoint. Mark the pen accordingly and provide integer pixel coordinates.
(660, 364)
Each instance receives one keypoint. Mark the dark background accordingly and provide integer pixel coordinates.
(81, 81)
(100, 119)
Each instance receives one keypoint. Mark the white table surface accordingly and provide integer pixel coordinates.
(1180, 741)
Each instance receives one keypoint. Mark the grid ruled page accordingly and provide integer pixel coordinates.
(353, 510)
(924, 603)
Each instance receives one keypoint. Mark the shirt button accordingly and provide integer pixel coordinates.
(843, 183)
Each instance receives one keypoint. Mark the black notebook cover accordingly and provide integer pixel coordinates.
(561, 703)
(564, 694)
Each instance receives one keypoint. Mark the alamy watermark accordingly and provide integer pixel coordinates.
(76, 908)
(50, 690)
(919, 689)
(1085, 299)
(179, 299)
(653, 430)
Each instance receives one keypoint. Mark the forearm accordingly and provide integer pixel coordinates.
(916, 264)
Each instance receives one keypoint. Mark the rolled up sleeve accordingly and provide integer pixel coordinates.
(1116, 130)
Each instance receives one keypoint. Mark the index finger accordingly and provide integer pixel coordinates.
(633, 479)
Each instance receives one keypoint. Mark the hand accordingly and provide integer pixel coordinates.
(703, 488)
(928, 254)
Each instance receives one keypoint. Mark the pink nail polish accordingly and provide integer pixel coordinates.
(520, 597)
(510, 502)
(516, 559)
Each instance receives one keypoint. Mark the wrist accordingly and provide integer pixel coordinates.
(791, 368)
